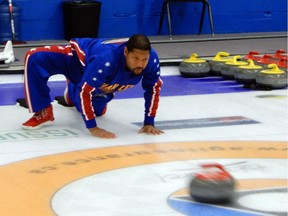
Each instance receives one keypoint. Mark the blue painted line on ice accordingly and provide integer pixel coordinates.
(173, 86)
(202, 122)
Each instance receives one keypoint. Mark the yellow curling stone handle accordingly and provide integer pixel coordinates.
(235, 61)
(273, 69)
(222, 57)
(193, 59)
(250, 65)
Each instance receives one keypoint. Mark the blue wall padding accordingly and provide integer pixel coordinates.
(43, 19)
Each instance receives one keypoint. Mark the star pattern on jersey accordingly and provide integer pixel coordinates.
(100, 71)
(107, 64)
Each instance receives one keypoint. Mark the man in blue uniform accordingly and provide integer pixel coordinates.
(95, 69)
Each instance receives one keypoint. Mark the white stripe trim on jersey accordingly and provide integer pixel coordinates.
(153, 96)
(26, 86)
(113, 41)
(80, 50)
(83, 103)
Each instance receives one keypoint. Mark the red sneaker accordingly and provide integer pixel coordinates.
(40, 119)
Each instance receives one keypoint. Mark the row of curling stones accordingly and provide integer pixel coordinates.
(279, 57)
(269, 77)
(264, 75)
(268, 59)
(230, 68)
(241, 69)
(213, 184)
(222, 64)
(196, 67)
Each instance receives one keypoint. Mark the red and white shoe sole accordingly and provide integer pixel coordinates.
(38, 126)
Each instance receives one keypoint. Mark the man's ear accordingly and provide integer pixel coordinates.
(125, 51)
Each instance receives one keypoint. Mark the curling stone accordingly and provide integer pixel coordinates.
(212, 185)
(217, 62)
(229, 68)
(272, 78)
(246, 74)
(194, 67)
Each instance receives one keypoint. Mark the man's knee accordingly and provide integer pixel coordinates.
(101, 112)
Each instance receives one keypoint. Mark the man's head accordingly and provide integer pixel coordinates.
(137, 53)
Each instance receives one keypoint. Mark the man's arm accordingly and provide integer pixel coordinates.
(152, 85)
(84, 106)
(92, 80)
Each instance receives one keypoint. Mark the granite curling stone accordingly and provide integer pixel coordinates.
(246, 74)
(217, 62)
(212, 185)
(194, 67)
(229, 68)
(272, 78)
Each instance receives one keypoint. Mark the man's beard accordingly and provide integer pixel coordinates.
(137, 70)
